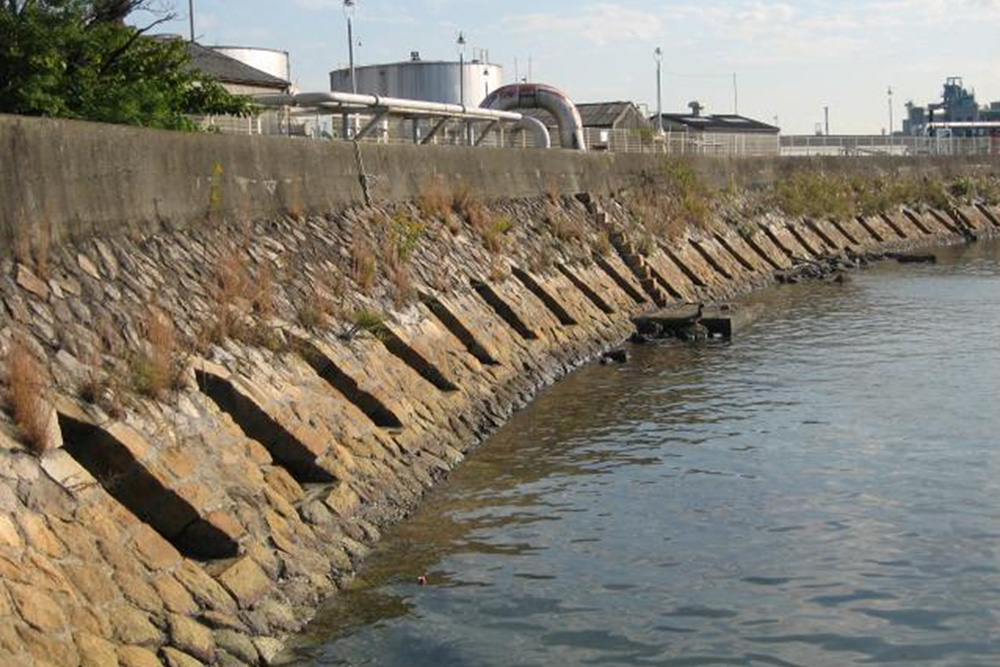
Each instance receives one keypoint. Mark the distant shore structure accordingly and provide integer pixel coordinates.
(958, 114)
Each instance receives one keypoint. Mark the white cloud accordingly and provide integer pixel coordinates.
(600, 24)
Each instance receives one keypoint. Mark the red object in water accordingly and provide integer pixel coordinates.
(422, 580)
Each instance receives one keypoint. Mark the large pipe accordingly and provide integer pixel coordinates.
(537, 128)
(541, 96)
(359, 101)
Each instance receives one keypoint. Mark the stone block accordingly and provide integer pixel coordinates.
(9, 536)
(95, 651)
(192, 637)
(32, 283)
(137, 656)
(153, 550)
(36, 608)
(39, 536)
(246, 581)
(137, 590)
(174, 596)
(207, 591)
(237, 645)
(174, 658)
(132, 626)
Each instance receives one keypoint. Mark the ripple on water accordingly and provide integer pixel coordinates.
(819, 492)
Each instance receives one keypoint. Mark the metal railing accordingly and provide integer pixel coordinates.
(876, 145)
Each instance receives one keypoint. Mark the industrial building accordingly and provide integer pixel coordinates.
(243, 70)
(958, 114)
(448, 82)
(722, 133)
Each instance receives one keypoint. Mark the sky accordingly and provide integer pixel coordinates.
(791, 58)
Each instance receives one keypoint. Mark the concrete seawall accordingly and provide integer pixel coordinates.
(329, 370)
(69, 180)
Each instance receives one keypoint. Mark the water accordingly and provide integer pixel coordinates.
(824, 490)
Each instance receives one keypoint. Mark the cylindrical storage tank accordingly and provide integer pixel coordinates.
(431, 81)
(272, 61)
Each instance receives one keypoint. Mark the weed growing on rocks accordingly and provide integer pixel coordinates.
(364, 264)
(494, 231)
(157, 369)
(28, 386)
(365, 321)
(435, 200)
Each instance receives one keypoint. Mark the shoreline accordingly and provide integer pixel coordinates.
(210, 526)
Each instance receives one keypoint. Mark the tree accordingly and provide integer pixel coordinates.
(78, 59)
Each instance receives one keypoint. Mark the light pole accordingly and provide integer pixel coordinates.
(349, 13)
(191, 17)
(460, 42)
(658, 54)
(890, 119)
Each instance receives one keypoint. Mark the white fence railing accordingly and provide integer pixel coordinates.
(868, 145)
(398, 131)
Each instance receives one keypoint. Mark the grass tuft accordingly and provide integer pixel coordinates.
(28, 387)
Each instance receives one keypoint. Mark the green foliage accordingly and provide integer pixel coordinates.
(494, 230)
(815, 194)
(70, 59)
(671, 199)
(406, 234)
(364, 320)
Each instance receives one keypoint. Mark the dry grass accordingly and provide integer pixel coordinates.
(402, 283)
(669, 200)
(262, 298)
(364, 264)
(324, 302)
(601, 244)
(564, 227)
(232, 280)
(28, 388)
(498, 271)
(156, 370)
(310, 315)
(435, 200)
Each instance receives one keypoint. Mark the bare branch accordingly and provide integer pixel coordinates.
(115, 55)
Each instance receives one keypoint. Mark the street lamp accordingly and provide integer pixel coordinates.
(658, 54)
(349, 13)
(460, 42)
(191, 17)
(890, 119)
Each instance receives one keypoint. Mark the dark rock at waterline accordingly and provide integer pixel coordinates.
(616, 356)
(915, 258)
(639, 338)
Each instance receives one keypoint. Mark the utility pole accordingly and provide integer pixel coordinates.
(658, 54)
(191, 17)
(826, 121)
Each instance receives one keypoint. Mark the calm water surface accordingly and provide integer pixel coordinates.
(824, 490)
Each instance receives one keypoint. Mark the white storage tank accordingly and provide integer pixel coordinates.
(428, 80)
(272, 61)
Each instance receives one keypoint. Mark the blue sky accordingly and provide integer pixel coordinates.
(791, 58)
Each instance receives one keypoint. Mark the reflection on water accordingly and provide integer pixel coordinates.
(821, 491)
